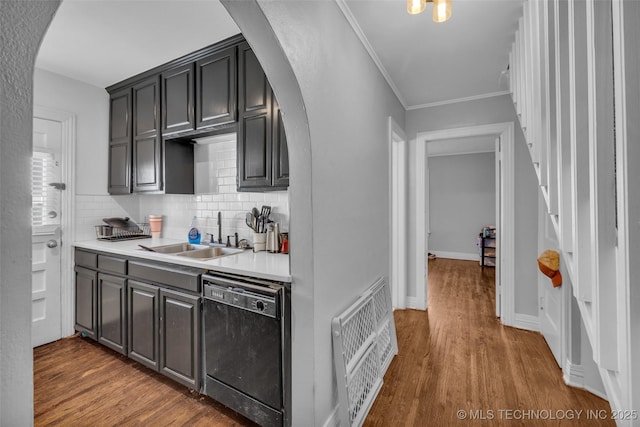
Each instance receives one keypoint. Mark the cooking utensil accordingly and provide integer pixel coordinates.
(147, 248)
(266, 211)
(249, 221)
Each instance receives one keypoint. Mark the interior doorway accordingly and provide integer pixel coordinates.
(53, 224)
(504, 133)
(398, 215)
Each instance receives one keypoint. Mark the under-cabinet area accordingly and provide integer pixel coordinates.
(175, 319)
(155, 118)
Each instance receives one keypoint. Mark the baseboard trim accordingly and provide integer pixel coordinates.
(333, 420)
(597, 393)
(574, 376)
(415, 303)
(527, 322)
(457, 255)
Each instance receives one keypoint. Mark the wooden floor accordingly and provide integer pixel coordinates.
(78, 382)
(458, 357)
(455, 357)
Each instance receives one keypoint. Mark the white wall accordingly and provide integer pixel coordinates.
(485, 111)
(90, 104)
(462, 199)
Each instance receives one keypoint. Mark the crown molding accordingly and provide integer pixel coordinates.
(457, 100)
(342, 4)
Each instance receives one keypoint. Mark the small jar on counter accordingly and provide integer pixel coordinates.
(284, 245)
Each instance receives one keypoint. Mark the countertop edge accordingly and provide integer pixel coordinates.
(261, 265)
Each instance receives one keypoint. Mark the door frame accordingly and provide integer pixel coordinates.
(67, 121)
(506, 228)
(398, 214)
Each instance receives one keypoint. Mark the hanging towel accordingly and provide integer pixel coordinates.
(549, 265)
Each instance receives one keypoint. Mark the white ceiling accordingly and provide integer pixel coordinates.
(431, 63)
(102, 42)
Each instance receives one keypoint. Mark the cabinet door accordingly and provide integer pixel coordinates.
(120, 142)
(254, 129)
(254, 92)
(180, 337)
(143, 331)
(177, 100)
(280, 165)
(147, 166)
(216, 89)
(112, 312)
(86, 302)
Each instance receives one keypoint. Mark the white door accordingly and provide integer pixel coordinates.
(46, 239)
(550, 298)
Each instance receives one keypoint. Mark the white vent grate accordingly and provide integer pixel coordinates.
(364, 343)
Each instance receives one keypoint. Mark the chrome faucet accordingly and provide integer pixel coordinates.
(219, 227)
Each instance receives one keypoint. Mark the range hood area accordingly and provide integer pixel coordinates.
(214, 163)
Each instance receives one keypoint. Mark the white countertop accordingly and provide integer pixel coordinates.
(262, 264)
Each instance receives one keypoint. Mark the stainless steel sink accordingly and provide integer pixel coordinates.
(209, 253)
(175, 248)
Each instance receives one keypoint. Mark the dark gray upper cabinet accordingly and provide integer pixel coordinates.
(177, 99)
(263, 159)
(120, 110)
(154, 116)
(280, 150)
(216, 89)
(254, 92)
(147, 164)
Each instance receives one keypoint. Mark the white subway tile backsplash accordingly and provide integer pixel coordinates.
(178, 210)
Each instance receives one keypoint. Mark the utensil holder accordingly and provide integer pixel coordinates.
(259, 242)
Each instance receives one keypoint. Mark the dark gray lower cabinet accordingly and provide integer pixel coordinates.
(180, 337)
(128, 305)
(112, 318)
(86, 290)
(143, 312)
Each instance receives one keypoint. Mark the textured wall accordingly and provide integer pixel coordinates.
(345, 203)
(22, 25)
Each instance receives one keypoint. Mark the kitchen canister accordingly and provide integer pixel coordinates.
(259, 242)
(273, 237)
(284, 245)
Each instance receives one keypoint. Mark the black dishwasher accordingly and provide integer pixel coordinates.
(247, 346)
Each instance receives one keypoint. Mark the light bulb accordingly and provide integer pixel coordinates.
(441, 10)
(416, 6)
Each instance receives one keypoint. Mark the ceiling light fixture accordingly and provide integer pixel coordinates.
(441, 8)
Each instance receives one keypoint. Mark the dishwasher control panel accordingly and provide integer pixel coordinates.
(266, 304)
